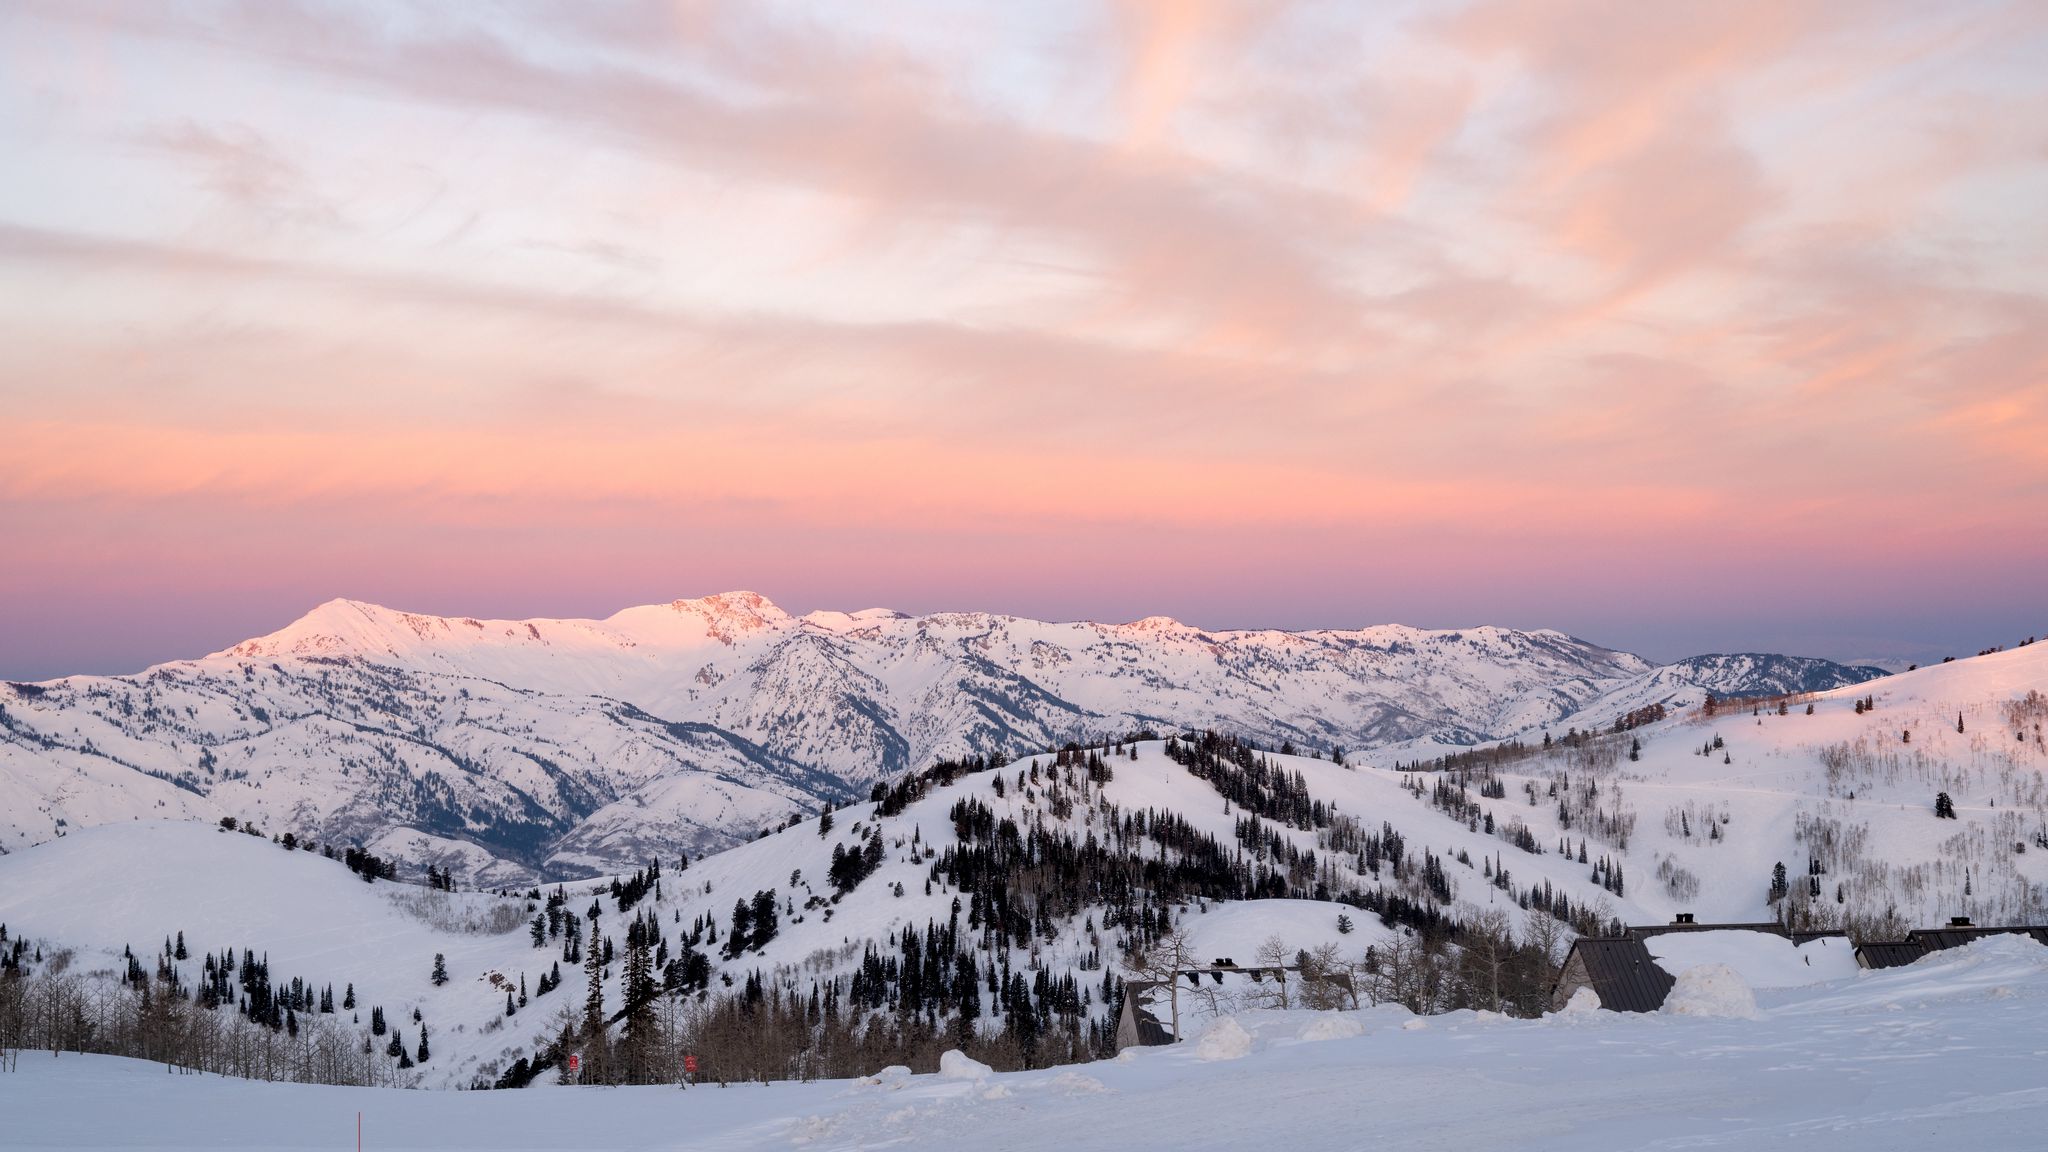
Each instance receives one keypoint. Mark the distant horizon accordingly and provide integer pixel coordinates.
(1841, 650)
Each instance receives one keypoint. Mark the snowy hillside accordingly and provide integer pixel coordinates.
(1843, 795)
(1946, 1051)
(512, 750)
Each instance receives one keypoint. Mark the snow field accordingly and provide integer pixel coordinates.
(1947, 1049)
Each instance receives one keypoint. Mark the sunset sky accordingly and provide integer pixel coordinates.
(1681, 327)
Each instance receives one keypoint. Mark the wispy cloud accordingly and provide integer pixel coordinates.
(1387, 288)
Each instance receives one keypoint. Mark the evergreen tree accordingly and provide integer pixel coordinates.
(440, 970)
(1944, 808)
(640, 992)
(423, 1044)
(741, 935)
(593, 1006)
(348, 998)
(765, 925)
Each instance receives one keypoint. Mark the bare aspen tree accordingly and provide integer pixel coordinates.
(1164, 962)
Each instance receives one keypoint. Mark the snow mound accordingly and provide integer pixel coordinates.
(1712, 990)
(958, 1065)
(1078, 1084)
(1331, 1027)
(1226, 1039)
(1584, 1002)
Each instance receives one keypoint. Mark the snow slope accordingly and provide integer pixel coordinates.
(100, 890)
(1945, 1051)
(1847, 790)
(568, 747)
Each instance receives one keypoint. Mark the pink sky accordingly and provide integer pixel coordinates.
(1681, 327)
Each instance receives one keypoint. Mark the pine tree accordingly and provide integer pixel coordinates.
(593, 1005)
(423, 1044)
(348, 998)
(740, 938)
(1944, 808)
(377, 1021)
(440, 970)
(511, 1008)
(1343, 924)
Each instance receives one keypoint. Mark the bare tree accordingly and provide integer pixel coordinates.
(1168, 957)
(1272, 953)
(1321, 986)
(1489, 947)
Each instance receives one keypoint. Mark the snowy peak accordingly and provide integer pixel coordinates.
(733, 613)
(341, 628)
(690, 724)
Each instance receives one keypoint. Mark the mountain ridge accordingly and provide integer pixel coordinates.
(361, 722)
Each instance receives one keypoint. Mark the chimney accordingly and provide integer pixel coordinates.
(1959, 922)
(1683, 918)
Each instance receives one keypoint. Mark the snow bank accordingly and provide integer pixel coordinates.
(1226, 1039)
(1712, 990)
(958, 1065)
(1584, 1002)
(1331, 1027)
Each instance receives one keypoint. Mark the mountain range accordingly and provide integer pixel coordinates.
(506, 751)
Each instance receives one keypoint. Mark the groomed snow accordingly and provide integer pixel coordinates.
(1946, 1050)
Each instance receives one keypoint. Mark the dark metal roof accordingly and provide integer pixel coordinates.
(1624, 974)
(1937, 939)
(1772, 927)
(1645, 931)
(1888, 954)
(1920, 941)
(1627, 977)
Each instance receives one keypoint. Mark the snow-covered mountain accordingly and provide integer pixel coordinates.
(1746, 674)
(1032, 863)
(509, 749)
